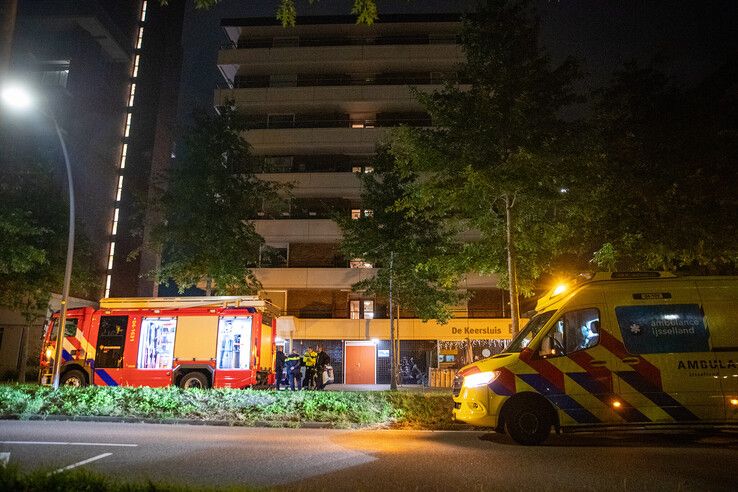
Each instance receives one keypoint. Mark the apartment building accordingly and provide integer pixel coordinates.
(319, 97)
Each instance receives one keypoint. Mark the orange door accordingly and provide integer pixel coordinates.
(360, 364)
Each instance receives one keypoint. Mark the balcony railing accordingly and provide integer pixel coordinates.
(340, 80)
(308, 41)
(345, 122)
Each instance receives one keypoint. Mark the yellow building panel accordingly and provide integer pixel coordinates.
(196, 338)
(407, 329)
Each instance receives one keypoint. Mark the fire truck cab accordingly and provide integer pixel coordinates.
(191, 342)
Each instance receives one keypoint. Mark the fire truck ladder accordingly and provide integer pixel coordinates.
(186, 302)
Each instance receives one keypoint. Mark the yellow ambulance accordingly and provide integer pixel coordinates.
(612, 349)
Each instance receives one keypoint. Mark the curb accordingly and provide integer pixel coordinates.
(215, 423)
(143, 420)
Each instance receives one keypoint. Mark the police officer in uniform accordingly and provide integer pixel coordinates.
(292, 363)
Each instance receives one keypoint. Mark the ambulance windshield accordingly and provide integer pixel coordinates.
(529, 332)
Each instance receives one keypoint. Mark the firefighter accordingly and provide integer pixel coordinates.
(279, 367)
(292, 363)
(309, 359)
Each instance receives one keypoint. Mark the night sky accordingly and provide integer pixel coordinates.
(694, 36)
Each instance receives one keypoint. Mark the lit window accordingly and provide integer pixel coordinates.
(234, 343)
(356, 169)
(55, 74)
(359, 263)
(369, 169)
(361, 309)
(132, 95)
(355, 213)
(368, 309)
(139, 42)
(156, 347)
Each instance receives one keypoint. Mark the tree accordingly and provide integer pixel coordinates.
(664, 197)
(212, 193)
(412, 247)
(417, 238)
(364, 10)
(33, 241)
(495, 159)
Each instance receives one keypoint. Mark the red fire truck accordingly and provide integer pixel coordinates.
(191, 342)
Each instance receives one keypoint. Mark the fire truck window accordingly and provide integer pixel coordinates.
(69, 331)
(234, 343)
(111, 338)
(156, 347)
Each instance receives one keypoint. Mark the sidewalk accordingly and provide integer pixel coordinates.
(385, 387)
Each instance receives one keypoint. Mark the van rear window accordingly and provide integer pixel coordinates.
(659, 329)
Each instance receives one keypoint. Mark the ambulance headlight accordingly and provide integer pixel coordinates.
(480, 379)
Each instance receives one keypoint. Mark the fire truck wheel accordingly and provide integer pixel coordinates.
(194, 380)
(73, 378)
(528, 423)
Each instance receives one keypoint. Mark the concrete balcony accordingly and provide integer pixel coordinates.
(337, 99)
(298, 230)
(339, 278)
(323, 185)
(311, 278)
(314, 140)
(337, 59)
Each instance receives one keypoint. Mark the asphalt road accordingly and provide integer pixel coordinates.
(376, 460)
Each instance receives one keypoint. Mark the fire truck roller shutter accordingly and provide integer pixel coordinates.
(196, 339)
(195, 343)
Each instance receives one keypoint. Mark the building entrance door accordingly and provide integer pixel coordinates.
(360, 363)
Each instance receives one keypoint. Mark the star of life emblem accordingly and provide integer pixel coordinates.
(635, 329)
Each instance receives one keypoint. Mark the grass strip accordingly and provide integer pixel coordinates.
(11, 478)
(404, 409)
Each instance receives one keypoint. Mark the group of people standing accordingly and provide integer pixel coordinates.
(302, 372)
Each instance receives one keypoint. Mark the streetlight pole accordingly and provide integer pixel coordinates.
(70, 256)
(393, 374)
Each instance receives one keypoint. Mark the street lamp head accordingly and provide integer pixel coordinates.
(17, 97)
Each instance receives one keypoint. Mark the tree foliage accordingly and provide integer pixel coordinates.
(212, 193)
(33, 242)
(495, 161)
(417, 240)
(664, 195)
(364, 10)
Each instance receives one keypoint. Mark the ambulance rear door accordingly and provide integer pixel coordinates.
(720, 303)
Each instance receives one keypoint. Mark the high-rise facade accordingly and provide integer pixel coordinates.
(320, 96)
(108, 70)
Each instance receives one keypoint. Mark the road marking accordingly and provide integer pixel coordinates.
(59, 443)
(4, 458)
(80, 463)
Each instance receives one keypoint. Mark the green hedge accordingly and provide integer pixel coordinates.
(245, 407)
(11, 478)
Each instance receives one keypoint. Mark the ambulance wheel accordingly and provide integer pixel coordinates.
(194, 380)
(528, 423)
(73, 378)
